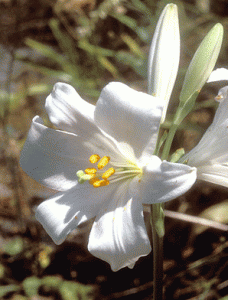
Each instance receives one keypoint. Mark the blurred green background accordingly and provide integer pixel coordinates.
(88, 43)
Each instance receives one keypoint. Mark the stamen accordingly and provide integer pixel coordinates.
(93, 180)
(99, 183)
(90, 171)
(94, 158)
(108, 173)
(103, 162)
(118, 172)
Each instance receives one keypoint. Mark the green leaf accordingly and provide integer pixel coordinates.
(177, 155)
(131, 23)
(39, 88)
(31, 285)
(139, 65)
(2, 271)
(14, 246)
(61, 75)
(140, 6)
(75, 291)
(46, 51)
(20, 297)
(93, 49)
(6, 289)
(51, 281)
(133, 46)
(50, 53)
(65, 41)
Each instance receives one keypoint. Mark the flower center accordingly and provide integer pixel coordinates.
(102, 175)
(96, 177)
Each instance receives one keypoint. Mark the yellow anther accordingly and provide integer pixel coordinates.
(99, 183)
(93, 175)
(94, 179)
(108, 173)
(94, 158)
(103, 162)
(90, 171)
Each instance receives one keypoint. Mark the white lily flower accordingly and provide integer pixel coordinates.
(210, 156)
(218, 75)
(101, 161)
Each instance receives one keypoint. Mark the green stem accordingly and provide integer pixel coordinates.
(157, 224)
(169, 141)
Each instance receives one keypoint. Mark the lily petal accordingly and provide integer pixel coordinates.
(118, 234)
(213, 146)
(129, 116)
(68, 111)
(216, 173)
(52, 157)
(63, 212)
(218, 74)
(164, 181)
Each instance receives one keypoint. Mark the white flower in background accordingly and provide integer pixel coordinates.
(210, 156)
(164, 56)
(101, 161)
(218, 75)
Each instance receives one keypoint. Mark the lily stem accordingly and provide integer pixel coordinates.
(168, 142)
(157, 224)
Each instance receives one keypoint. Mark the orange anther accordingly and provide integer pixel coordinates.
(108, 173)
(103, 162)
(93, 180)
(94, 158)
(99, 183)
(90, 171)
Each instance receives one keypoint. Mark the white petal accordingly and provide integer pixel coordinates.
(222, 94)
(218, 74)
(164, 181)
(52, 157)
(118, 235)
(68, 111)
(217, 174)
(63, 212)
(129, 116)
(214, 143)
(222, 110)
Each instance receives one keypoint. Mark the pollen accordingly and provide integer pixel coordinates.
(108, 173)
(103, 162)
(90, 171)
(98, 183)
(95, 176)
(94, 158)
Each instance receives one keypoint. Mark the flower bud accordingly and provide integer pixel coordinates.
(203, 63)
(164, 56)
